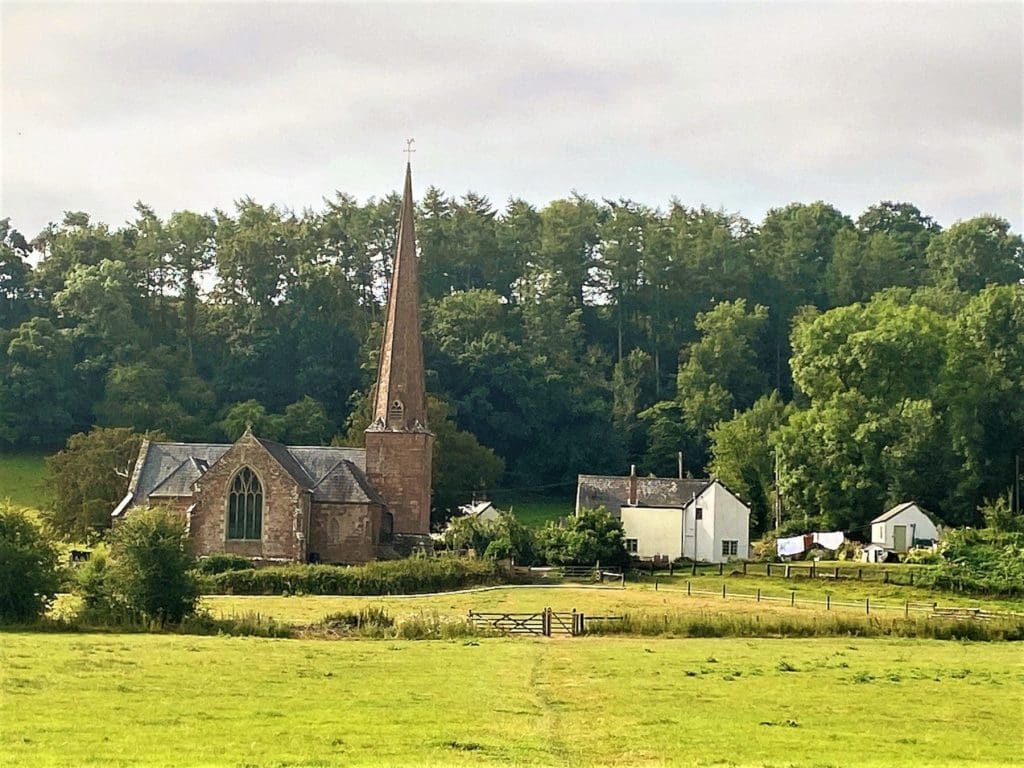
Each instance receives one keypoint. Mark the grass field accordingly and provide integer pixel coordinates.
(151, 700)
(21, 479)
(534, 511)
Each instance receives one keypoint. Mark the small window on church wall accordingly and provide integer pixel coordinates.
(395, 413)
(245, 506)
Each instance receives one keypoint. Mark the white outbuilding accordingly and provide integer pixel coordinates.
(904, 526)
(669, 518)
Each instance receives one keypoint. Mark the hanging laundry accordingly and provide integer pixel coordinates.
(832, 540)
(794, 545)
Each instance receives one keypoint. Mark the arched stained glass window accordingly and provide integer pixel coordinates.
(245, 506)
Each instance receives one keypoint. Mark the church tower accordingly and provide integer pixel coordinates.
(398, 441)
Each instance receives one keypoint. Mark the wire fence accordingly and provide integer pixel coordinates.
(866, 606)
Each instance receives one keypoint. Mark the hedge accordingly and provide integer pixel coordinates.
(389, 577)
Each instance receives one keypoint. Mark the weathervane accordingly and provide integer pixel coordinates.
(409, 150)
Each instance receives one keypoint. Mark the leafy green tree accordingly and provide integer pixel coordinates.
(306, 423)
(15, 274)
(28, 567)
(721, 372)
(252, 414)
(88, 478)
(590, 537)
(978, 252)
(743, 456)
(152, 569)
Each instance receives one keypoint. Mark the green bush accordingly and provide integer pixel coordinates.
(590, 537)
(984, 561)
(29, 578)
(152, 570)
(389, 577)
(222, 562)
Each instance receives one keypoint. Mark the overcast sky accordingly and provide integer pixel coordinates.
(744, 107)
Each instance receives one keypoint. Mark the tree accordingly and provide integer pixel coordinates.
(152, 571)
(28, 567)
(306, 423)
(251, 415)
(590, 537)
(743, 457)
(88, 478)
(721, 372)
(978, 252)
(15, 273)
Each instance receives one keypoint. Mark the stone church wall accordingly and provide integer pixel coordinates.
(345, 533)
(285, 507)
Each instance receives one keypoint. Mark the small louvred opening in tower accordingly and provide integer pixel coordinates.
(396, 413)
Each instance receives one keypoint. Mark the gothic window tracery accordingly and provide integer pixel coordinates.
(245, 506)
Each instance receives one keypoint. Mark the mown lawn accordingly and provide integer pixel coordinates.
(152, 700)
(21, 479)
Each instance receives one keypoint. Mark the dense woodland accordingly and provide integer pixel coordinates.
(873, 360)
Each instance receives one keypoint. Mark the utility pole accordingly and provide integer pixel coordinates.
(778, 494)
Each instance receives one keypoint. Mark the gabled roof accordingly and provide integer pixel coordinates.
(171, 469)
(901, 508)
(179, 482)
(612, 491)
(346, 483)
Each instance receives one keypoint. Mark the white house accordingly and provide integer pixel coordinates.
(669, 518)
(902, 527)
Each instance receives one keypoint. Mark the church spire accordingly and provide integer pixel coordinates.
(399, 403)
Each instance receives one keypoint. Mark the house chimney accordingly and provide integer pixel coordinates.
(632, 485)
(680, 457)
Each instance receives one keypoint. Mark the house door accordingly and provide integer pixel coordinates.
(899, 538)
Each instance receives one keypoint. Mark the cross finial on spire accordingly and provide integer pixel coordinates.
(409, 150)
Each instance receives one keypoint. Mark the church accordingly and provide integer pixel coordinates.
(284, 503)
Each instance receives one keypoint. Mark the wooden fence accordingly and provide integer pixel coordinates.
(545, 623)
(585, 573)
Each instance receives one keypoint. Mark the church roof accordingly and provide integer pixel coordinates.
(170, 470)
(346, 481)
(612, 491)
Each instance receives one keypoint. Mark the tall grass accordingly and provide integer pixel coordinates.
(376, 623)
(709, 624)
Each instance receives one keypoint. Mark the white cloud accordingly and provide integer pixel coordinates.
(743, 106)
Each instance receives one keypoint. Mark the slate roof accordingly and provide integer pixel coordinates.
(345, 481)
(612, 491)
(332, 474)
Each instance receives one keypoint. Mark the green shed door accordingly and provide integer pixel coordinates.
(899, 538)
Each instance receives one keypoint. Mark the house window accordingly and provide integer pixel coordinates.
(699, 513)
(631, 546)
(730, 547)
(245, 506)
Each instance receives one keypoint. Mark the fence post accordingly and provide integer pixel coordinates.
(867, 605)
(693, 568)
(655, 583)
(768, 569)
(744, 567)
(622, 579)
(812, 569)
(911, 578)
(860, 574)
(546, 623)
(828, 602)
(788, 571)
(687, 588)
(671, 568)
(792, 597)
(885, 577)
(721, 569)
(723, 591)
(759, 594)
(906, 610)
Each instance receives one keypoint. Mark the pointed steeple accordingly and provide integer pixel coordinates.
(399, 403)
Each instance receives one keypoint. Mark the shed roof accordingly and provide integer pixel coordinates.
(901, 508)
